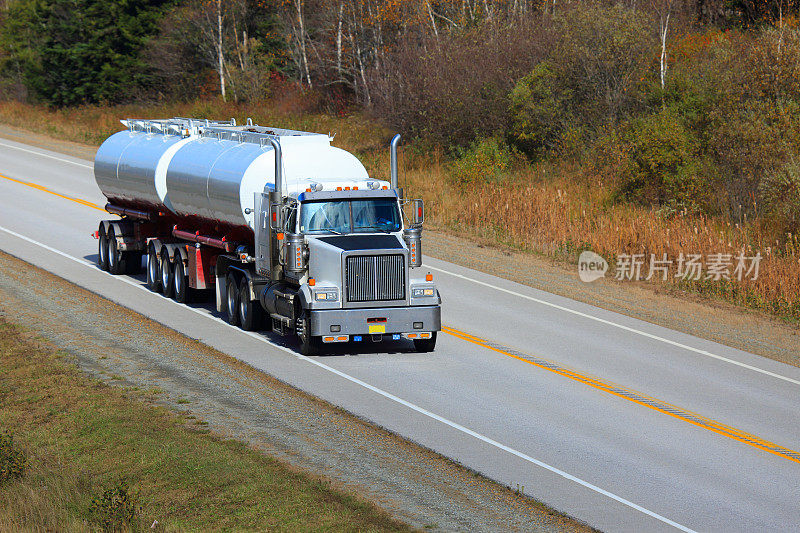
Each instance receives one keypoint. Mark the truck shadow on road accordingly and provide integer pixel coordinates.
(205, 304)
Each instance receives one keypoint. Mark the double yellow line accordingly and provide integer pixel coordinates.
(632, 396)
(596, 383)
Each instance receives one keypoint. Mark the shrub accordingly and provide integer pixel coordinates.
(539, 111)
(114, 509)
(12, 459)
(663, 166)
(489, 159)
(780, 197)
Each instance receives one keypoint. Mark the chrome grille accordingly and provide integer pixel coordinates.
(375, 278)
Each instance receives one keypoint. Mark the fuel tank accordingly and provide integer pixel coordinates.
(212, 171)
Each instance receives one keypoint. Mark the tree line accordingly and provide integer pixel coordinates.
(688, 105)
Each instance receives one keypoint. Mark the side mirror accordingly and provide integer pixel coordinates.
(418, 207)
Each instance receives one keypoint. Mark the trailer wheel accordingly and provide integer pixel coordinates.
(232, 300)
(182, 291)
(102, 249)
(309, 345)
(250, 316)
(425, 345)
(167, 274)
(116, 261)
(153, 270)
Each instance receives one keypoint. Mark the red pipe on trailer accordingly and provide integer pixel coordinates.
(203, 239)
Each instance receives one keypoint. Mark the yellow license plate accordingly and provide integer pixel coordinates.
(378, 329)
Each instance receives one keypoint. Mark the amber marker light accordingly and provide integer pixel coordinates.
(429, 277)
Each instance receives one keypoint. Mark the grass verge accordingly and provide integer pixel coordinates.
(96, 458)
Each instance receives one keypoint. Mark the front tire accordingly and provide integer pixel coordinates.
(249, 311)
(425, 345)
(309, 345)
(232, 300)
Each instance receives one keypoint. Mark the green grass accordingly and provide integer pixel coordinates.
(90, 447)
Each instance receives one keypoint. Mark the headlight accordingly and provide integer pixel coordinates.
(329, 296)
(420, 293)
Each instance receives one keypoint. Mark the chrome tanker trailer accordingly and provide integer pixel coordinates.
(289, 232)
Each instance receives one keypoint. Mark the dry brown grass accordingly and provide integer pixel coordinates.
(557, 211)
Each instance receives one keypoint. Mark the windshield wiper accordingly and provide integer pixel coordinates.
(379, 228)
(331, 230)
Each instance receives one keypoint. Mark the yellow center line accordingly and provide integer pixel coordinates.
(45, 189)
(605, 386)
(634, 396)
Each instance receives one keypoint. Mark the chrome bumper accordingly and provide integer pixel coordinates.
(358, 321)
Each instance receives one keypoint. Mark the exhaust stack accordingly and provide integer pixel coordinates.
(393, 152)
(276, 145)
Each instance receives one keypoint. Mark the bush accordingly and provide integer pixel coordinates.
(489, 159)
(663, 165)
(539, 111)
(12, 459)
(114, 509)
(780, 197)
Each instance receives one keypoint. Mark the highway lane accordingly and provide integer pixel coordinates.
(599, 456)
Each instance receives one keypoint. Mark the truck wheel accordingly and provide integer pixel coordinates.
(250, 316)
(116, 262)
(232, 300)
(309, 345)
(153, 270)
(102, 249)
(425, 345)
(167, 274)
(182, 291)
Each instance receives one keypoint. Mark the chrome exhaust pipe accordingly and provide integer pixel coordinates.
(393, 153)
(276, 145)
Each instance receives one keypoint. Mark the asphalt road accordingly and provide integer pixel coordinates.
(625, 425)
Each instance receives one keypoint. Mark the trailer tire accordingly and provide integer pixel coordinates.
(309, 345)
(116, 259)
(250, 316)
(153, 270)
(102, 249)
(167, 274)
(183, 293)
(232, 300)
(425, 345)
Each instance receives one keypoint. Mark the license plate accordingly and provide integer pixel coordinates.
(378, 328)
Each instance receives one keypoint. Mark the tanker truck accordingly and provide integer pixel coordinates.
(289, 233)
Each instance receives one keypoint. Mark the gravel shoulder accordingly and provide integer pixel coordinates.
(233, 400)
(748, 330)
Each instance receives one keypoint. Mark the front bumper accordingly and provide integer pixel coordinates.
(358, 321)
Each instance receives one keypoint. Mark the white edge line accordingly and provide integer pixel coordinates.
(46, 155)
(381, 392)
(537, 300)
(620, 326)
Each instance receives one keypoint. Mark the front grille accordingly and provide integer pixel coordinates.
(375, 278)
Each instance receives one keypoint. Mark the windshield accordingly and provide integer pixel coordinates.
(350, 216)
